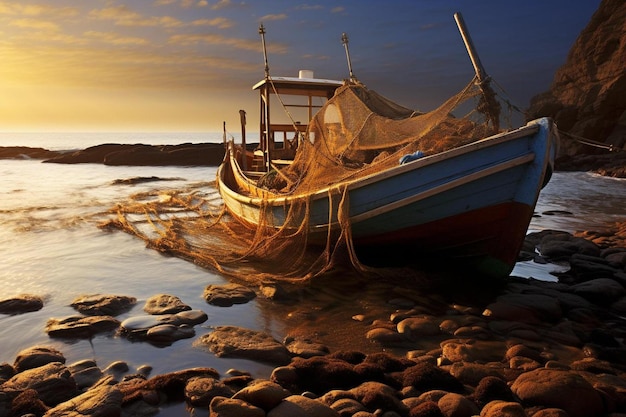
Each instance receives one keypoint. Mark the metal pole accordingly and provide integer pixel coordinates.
(266, 155)
(344, 40)
(262, 33)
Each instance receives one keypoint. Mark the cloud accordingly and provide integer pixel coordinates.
(270, 17)
(429, 26)
(337, 9)
(35, 24)
(119, 13)
(214, 39)
(111, 66)
(317, 57)
(219, 22)
(221, 4)
(123, 16)
(184, 3)
(33, 10)
(31, 39)
(114, 38)
(310, 7)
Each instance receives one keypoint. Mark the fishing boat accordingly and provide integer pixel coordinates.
(395, 185)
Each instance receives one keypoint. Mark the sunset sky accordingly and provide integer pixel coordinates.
(189, 65)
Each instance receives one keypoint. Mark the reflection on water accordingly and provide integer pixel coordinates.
(50, 245)
(573, 202)
(543, 272)
(592, 200)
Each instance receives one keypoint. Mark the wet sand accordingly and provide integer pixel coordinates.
(419, 347)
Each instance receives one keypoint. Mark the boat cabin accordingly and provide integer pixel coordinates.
(300, 98)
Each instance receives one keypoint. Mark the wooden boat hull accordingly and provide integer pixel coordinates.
(472, 204)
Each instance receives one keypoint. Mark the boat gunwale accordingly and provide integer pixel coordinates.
(531, 128)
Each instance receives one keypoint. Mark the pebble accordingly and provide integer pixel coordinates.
(166, 333)
(37, 356)
(80, 327)
(53, 383)
(264, 394)
(233, 341)
(164, 304)
(85, 373)
(162, 329)
(230, 407)
(24, 303)
(103, 400)
(228, 294)
(415, 327)
(103, 304)
(537, 349)
(305, 348)
(199, 391)
(555, 388)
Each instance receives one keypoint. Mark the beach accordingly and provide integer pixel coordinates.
(522, 347)
(355, 256)
(54, 249)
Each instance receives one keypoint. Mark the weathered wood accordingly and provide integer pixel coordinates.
(471, 50)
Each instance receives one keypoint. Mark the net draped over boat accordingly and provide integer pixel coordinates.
(359, 132)
(355, 134)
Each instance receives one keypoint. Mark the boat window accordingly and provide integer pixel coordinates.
(331, 114)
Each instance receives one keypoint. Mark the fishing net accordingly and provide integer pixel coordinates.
(359, 132)
(355, 134)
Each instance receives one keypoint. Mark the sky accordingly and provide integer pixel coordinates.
(189, 65)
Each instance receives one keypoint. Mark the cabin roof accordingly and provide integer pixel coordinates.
(296, 85)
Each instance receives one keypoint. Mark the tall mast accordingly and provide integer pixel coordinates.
(492, 110)
(266, 105)
(469, 45)
(344, 40)
(262, 33)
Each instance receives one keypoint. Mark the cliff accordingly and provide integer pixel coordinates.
(587, 97)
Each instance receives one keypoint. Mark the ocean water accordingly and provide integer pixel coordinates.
(50, 245)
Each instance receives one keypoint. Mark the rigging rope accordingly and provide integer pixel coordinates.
(589, 142)
(579, 139)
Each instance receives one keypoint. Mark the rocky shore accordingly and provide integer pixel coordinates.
(587, 98)
(611, 164)
(524, 347)
(187, 154)
(605, 164)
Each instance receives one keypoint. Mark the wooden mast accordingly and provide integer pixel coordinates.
(492, 105)
(242, 118)
(469, 45)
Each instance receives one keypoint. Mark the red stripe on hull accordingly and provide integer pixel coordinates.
(493, 233)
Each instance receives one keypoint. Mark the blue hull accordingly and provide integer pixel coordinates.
(473, 203)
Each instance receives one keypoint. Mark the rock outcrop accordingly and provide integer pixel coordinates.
(587, 97)
(203, 154)
(189, 154)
